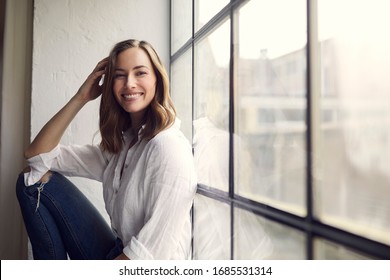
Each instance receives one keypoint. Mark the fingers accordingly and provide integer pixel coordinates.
(99, 71)
(104, 60)
(96, 76)
(101, 65)
(92, 86)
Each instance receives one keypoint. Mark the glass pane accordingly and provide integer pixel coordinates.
(206, 10)
(258, 238)
(326, 250)
(181, 90)
(181, 23)
(211, 229)
(271, 103)
(354, 184)
(211, 97)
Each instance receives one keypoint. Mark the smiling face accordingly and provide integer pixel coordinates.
(134, 83)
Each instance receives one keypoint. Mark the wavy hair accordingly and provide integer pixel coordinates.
(114, 120)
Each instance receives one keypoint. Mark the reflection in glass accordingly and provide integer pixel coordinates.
(354, 180)
(326, 250)
(258, 238)
(211, 97)
(206, 10)
(271, 103)
(181, 91)
(211, 229)
(181, 23)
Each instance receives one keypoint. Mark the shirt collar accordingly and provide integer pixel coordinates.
(176, 124)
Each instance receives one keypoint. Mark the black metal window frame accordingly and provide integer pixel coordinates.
(309, 224)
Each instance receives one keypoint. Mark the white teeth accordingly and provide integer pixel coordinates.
(131, 96)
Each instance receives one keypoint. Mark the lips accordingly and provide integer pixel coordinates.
(131, 96)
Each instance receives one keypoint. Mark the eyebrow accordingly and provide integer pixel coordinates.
(134, 68)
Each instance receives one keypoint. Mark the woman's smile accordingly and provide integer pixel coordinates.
(132, 96)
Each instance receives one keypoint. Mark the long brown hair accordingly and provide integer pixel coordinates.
(114, 120)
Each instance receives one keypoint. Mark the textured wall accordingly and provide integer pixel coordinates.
(70, 37)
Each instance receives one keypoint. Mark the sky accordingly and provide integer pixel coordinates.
(262, 25)
(280, 26)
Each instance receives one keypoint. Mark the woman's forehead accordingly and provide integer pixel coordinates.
(132, 58)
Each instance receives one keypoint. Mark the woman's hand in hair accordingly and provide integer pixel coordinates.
(92, 88)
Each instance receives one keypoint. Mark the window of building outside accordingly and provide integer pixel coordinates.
(287, 105)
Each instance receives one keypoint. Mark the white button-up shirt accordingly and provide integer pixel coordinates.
(149, 201)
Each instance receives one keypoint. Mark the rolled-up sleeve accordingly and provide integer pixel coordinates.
(87, 161)
(170, 186)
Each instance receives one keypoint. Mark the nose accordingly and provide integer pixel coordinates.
(130, 82)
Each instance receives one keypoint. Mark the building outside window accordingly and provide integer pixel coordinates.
(287, 105)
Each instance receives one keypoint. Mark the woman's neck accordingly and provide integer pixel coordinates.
(136, 123)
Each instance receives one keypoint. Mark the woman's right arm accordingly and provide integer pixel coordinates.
(50, 135)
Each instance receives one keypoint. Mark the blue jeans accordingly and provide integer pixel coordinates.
(62, 222)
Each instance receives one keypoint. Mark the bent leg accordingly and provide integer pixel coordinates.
(60, 220)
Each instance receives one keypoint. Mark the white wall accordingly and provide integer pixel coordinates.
(70, 37)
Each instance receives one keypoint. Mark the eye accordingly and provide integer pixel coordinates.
(119, 76)
(141, 73)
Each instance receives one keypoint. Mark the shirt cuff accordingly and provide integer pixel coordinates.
(136, 251)
(39, 165)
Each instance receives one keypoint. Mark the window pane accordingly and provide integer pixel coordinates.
(211, 97)
(326, 250)
(270, 105)
(211, 229)
(181, 90)
(354, 183)
(181, 23)
(206, 10)
(258, 238)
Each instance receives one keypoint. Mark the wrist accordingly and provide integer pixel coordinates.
(78, 98)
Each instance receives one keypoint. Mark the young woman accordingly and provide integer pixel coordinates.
(144, 162)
